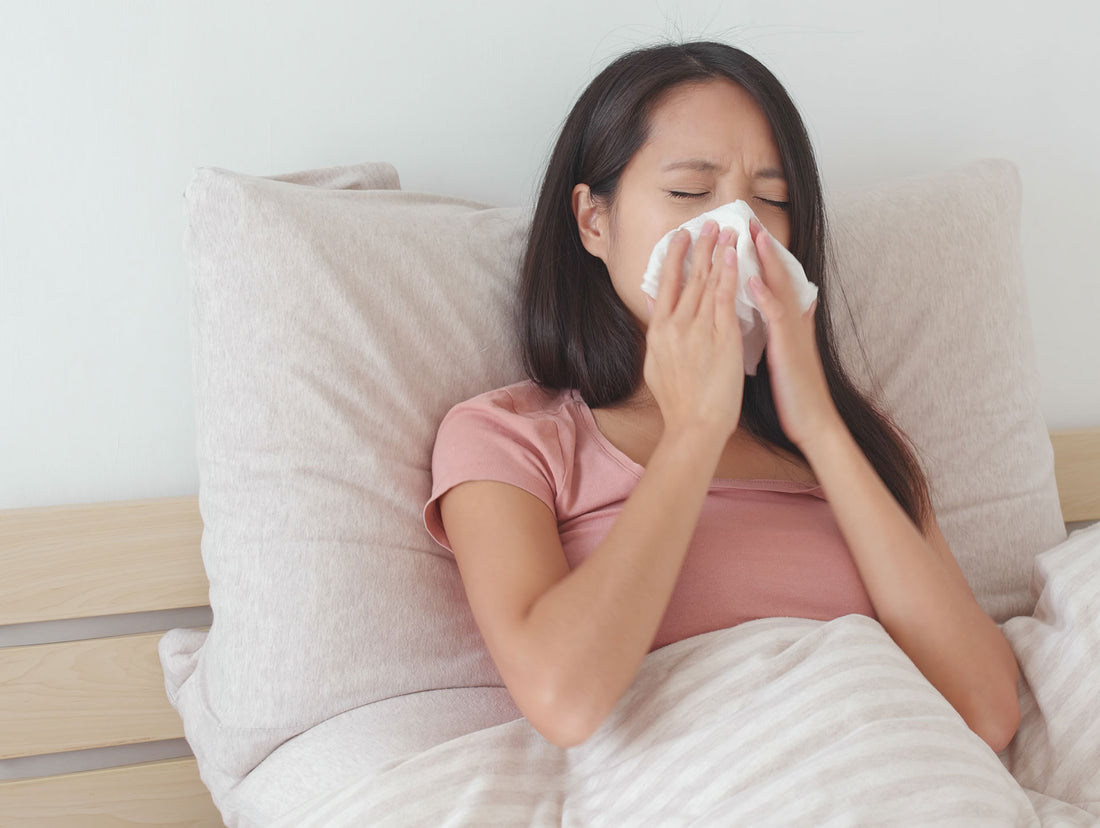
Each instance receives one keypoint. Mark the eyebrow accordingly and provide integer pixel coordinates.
(703, 165)
(769, 172)
(699, 164)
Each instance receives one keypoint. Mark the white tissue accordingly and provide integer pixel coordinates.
(736, 216)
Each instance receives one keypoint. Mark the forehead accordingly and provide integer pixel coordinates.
(716, 119)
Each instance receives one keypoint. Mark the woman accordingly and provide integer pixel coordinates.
(639, 488)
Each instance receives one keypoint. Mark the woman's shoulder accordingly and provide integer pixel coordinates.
(519, 426)
(525, 399)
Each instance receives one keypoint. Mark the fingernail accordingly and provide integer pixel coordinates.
(710, 228)
(725, 236)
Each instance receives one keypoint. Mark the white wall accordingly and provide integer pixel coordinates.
(107, 106)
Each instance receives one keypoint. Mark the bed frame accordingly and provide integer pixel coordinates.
(110, 559)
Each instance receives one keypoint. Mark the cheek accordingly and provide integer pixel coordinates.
(779, 227)
(627, 269)
(631, 245)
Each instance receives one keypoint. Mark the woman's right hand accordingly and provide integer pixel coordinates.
(694, 365)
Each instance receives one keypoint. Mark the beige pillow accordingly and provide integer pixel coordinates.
(932, 271)
(334, 323)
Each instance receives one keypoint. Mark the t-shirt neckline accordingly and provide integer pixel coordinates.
(636, 469)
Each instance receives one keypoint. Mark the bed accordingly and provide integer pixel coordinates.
(313, 699)
(136, 556)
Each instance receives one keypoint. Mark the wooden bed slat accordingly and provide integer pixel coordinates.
(166, 793)
(83, 694)
(1077, 467)
(100, 559)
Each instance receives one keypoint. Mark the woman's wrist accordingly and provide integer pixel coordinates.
(830, 430)
(696, 444)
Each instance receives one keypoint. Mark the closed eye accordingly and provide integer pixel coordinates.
(782, 205)
(681, 194)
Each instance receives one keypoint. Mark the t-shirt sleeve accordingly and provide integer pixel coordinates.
(486, 438)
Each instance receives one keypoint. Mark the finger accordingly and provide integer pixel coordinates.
(704, 249)
(710, 287)
(668, 290)
(754, 228)
(700, 266)
(770, 307)
(727, 240)
(725, 299)
(773, 271)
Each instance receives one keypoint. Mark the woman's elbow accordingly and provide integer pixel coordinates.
(561, 717)
(563, 732)
(998, 721)
(1006, 731)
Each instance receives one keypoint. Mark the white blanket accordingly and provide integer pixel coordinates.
(785, 721)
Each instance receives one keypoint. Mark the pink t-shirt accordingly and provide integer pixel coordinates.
(762, 548)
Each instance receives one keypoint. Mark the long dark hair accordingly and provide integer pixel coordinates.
(575, 330)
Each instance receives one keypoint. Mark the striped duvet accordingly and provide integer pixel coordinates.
(785, 721)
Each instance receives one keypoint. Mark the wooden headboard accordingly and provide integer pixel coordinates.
(74, 562)
(69, 562)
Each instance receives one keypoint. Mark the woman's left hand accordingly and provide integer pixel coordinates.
(798, 383)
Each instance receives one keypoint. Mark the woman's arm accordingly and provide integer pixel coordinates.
(917, 588)
(568, 643)
(918, 591)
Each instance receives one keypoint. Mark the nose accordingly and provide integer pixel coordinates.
(734, 189)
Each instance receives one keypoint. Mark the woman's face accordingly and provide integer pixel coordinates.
(709, 144)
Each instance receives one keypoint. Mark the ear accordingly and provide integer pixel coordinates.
(591, 222)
